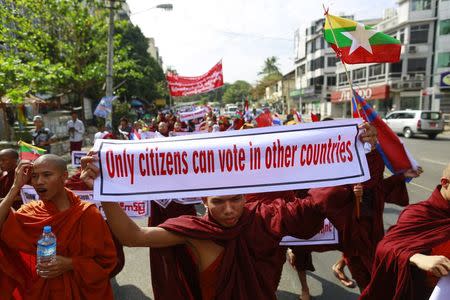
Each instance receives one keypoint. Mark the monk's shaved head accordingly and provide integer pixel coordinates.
(446, 172)
(52, 160)
(9, 153)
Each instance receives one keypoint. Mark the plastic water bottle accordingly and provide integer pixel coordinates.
(46, 247)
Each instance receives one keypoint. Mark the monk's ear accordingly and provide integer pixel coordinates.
(444, 182)
(65, 175)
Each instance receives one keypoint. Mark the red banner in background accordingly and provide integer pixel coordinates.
(187, 86)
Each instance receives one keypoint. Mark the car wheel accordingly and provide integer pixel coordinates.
(432, 136)
(407, 132)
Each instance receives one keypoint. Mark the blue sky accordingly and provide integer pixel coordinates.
(198, 33)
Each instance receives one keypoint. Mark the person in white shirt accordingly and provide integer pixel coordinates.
(76, 132)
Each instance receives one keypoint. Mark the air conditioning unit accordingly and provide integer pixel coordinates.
(419, 76)
(418, 84)
(412, 49)
(405, 77)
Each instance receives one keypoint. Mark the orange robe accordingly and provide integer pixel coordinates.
(81, 234)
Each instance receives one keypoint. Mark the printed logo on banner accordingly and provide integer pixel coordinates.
(236, 162)
(76, 158)
(328, 235)
(133, 209)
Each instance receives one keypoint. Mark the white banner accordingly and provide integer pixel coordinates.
(76, 158)
(133, 209)
(191, 115)
(235, 162)
(328, 235)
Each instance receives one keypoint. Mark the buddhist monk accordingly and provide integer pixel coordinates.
(85, 250)
(8, 163)
(415, 252)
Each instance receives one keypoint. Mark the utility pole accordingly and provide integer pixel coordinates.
(109, 61)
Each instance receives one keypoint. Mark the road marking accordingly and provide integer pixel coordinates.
(434, 161)
(421, 186)
(412, 183)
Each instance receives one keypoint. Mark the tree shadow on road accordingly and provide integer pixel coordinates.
(128, 291)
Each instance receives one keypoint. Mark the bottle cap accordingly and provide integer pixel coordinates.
(47, 229)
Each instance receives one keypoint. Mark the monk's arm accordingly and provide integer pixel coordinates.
(439, 265)
(395, 191)
(132, 235)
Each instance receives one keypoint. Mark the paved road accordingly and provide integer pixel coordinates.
(134, 281)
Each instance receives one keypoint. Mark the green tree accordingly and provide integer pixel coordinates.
(237, 91)
(270, 67)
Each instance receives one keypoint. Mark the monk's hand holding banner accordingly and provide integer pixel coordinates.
(238, 162)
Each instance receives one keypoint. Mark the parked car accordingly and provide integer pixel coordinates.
(230, 109)
(412, 122)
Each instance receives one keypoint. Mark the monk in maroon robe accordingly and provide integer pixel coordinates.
(235, 245)
(417, 243)
(8, 164)
(164, 260)
(85, 250)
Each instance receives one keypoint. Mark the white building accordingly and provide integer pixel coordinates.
(154, 51)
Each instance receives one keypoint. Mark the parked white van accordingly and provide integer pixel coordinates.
(412, 122)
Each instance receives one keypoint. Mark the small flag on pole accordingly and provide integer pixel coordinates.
(29, 152)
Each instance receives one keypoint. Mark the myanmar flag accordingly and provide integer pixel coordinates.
(29, 152)
(356, 43)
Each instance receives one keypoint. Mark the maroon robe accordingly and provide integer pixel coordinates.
(376, 192)
(164, 260)
(419, 229)
(249, 265)
(6, 182)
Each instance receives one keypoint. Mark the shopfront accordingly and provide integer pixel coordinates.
(377, 96)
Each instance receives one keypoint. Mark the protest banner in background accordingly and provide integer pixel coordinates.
(328, 235)
(237, 162)
(132, 209)
(76, 158)
(191, 115)
(186, 86)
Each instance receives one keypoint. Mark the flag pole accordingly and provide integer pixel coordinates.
(358, 198)
(340, 57)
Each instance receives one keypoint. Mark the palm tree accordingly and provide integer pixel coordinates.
(270, 66)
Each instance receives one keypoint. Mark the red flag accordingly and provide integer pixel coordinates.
(314, 117)
(392, 150)
(264, 119)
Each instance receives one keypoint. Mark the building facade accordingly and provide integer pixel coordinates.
(154, 51)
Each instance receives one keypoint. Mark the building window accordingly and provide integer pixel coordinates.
(421, 4)
(443, 60)
(301, 70)
(331, 61)
(331, 80)
(318, 43)
(444, 27)
(343, 80)
(402, 35)
(417, 65)
(359, 73)
(396, 69)
(376, 70)
(419, 34)
(317, 63)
